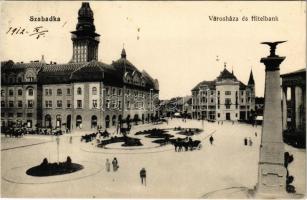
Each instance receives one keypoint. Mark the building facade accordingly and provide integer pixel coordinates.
(294, 101)
(225, 98)
(82, 94)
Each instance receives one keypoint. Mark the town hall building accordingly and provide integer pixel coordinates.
(81, 94)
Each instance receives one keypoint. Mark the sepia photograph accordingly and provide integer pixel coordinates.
(153, 99)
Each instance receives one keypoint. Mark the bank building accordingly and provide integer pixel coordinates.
(81, 94)
(225, 98)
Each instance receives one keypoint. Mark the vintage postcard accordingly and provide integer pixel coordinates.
(153, 99)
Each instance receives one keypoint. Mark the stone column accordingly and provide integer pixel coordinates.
(284, 108)
(298, 103)
(293, 106)
(271, 170)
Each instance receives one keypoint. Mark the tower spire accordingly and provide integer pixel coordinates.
(85, 39)
(251, 78)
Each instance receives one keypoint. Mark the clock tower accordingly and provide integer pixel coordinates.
(85, 40)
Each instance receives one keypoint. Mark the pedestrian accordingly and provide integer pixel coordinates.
(255, 134)
(108, 165)
(143, 176)
(245, 141)
(211, 140)
(70, 139)
(115, 165)
(218, 122)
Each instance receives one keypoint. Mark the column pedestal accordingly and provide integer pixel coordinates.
(271, 171)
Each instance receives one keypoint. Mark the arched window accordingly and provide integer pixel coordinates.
(79, 121)
(30, 92)
(58, 121)
(94, 121)
(107, 121)
(79, 91)
(113, 120)
(2, 93)
(11, 92)
(19, 92)
(59, 92)
(94, 91)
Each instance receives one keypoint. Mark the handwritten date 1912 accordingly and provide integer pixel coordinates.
(36, 32)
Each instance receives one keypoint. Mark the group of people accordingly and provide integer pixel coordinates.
(19, 131)
(115, 165)
(248, 142)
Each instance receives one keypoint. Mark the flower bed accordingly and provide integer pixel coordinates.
(128, 141)
(52, 169)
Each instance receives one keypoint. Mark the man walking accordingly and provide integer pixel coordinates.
(211, 140)
(115, 165)
(143, 176)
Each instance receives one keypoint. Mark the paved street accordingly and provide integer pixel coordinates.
(192, 174)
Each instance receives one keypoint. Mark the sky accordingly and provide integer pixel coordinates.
(174, 42)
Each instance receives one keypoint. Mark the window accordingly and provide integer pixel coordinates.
(114, 91)
(2, 104)
(59, 92)
(236, 114)
(94, 103)
(29, 114)
(68, 91)
(11, 104)
(113, 104)
(2, 114)
(11, 92)
(107, 91)
(2, 93)
(11, 114)
(79, 103)
(218, 115)
(19, 79)
(107, 103)
(79, 91)
(19, 104)
(19, 92)
(30, 103)
(227, 101)
(227, 92)
(48, 92)
(59, 104)
(119, 92)
(218, 92)
(19, 114)
(242, 92)
(212, 92)
(242, 100)
(94, 91)
(30, 92)
(68, 104)
(48, 104)
(119, 104)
